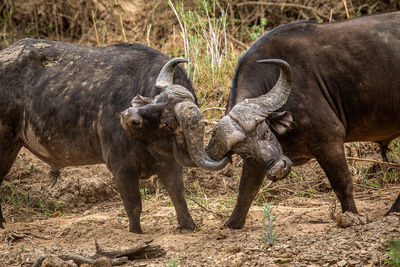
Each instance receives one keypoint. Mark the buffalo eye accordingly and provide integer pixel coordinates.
(268, 135)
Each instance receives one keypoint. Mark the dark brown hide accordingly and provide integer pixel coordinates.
(62, 102)
(345, 88)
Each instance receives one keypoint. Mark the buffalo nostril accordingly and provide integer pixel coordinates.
(288, 164)
(280, 164)
(280, 169)
(131, 117)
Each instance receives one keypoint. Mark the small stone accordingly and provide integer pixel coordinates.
(233, 249)
(342, 263)
(354, 262)
(348, 219)
(53, 261)
(102, 262)
(238, 260)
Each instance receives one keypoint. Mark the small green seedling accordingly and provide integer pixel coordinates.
(33, 166)
(174, 262)
(268, 235)
(258, 30)
(144, 192)
(393, 255)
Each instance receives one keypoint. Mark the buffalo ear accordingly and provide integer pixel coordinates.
(139, 101)
(281, 122)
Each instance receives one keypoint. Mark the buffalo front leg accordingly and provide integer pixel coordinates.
(332, 159)
(250, 183)
(171, 178)
(127, 182)
(8, 152)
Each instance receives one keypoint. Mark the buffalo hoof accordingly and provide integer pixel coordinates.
(185, 230)
(54, 175)
(233, 225)
(393, 213)
(135, 230)
(348, 219)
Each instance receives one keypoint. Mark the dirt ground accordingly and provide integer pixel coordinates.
(83, 206)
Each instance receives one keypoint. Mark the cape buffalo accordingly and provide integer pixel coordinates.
(345, 87)
(62, 102)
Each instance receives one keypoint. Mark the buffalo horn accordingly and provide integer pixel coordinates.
(246, 115)
(166, 76)
(250, 112)
(278, 95)
(191, 120)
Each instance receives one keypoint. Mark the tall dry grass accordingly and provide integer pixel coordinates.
(210, 34)
(205, 45)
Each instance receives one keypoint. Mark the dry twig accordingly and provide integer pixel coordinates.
(207, 210)
(213, 108)
(12, 236)
(283, 5)
(117, 257)
(374, 161)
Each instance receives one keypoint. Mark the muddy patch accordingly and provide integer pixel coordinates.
(84, 206)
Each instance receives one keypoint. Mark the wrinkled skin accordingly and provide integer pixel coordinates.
(244, 130)
(247, 130)
(262, 147)
(345, 88)
(62, 102)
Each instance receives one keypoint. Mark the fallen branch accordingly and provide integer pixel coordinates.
(205, 209)
(210, 122)
(283, 5)
(12, 236)
(374, 161)
(117, 257)
(242, 45)
(213, 108)
(79, 260)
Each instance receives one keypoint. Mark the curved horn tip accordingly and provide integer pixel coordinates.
(275, 61)
(166, 76)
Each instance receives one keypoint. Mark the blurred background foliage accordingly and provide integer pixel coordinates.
(211, 34)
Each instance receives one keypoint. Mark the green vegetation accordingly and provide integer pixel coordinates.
(393, 255)
(205, 45)
(211, 35)
(268, 235)
(198, 194)
(144, 192)
(309, 193)
(258, 30)
(33, 166)
(18, 200)
(174, 262)
(21, 201)
(121, 216)
(51, 209)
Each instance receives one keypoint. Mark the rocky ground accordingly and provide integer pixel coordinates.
(83, 206)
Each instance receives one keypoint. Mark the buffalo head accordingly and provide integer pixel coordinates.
(246, 129)
(170, 117)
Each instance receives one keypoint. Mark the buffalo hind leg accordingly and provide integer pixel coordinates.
(8, 153)
(384, 146)
(171, 178)
(395, 207)
(250, 182)
(332, 159)
(54, 174)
